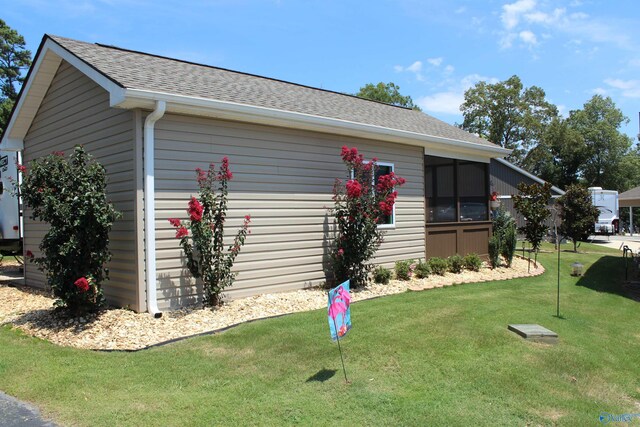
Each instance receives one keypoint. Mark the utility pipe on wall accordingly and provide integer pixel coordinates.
(149, 208)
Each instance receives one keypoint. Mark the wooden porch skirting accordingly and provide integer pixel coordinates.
(462, 238)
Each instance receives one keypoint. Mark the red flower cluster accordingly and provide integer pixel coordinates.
(225, 173)
(350, 155)
(22, 169)
(387, 182)
(354, 189)
(175, 222)
(58, 153)
(182, 232)
(29, 254)
(494, 196)
(386, 206)
(195, 209)
(82, 284)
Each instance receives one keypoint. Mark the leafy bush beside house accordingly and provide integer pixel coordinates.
(382, 275)
(404, 269)
(472, 262)
(70, 195)
(438, 265)
(456, 264)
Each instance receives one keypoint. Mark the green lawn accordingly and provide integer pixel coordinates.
(440, 357)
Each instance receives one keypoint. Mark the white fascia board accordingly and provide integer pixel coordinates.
(135, 98)
(529, 175)
(35, 88)
(116, 92)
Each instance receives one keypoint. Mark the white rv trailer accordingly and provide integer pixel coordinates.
(10, 218)
(607, 203)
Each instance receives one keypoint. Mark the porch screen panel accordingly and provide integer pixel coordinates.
(472, 189)
(440, 184)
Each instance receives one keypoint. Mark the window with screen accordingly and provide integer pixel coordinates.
(387, 221)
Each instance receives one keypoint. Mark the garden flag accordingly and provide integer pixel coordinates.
(339, 311)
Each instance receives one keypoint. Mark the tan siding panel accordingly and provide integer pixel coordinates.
(76, 111)
(284, 179)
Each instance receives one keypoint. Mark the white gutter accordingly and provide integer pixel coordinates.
(137, 98)
(149, 208)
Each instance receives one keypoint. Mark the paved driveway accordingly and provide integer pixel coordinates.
(19, 414)
(617, 242)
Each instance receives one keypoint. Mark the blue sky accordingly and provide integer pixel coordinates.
(433, 50)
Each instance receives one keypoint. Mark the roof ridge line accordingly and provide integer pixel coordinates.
(184, 61)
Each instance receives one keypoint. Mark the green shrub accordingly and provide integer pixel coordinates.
(70, 195)
(382, 275)
(472, 262)
(508, 246)
(422, 270)
(438, 265)
(494, 252)
(404, 269)
(456, 263)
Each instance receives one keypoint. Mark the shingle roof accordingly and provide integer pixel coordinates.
(137, 70)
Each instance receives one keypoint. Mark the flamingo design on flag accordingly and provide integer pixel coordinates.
(339, 311)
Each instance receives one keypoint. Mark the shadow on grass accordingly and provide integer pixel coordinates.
(322, 375)
(607, 274)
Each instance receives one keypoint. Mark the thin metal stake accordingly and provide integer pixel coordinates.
(340, 349)
(558, 303)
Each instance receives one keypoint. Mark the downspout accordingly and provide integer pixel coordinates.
(149, 208)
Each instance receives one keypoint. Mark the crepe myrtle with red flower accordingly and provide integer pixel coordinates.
(359, 205)
(69, 194)
(202, 235)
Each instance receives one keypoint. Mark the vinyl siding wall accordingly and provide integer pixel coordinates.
(74, 111)
(283, 178)
(505, 181)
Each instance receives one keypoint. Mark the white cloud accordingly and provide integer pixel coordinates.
(627, 88)
(528, 37)
(435, 61)
(599, 91)
(448, 69)
(416, 67)
(577, 25)
(460, 10)
(512, 12)
(449, 101)
(442, 102)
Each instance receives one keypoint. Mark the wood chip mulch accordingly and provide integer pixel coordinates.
(32, 310)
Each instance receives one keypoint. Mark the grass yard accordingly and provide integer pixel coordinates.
(440, 357)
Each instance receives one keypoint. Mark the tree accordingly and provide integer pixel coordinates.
(531, 203)
(388, 93)
(577, 214)
(14, 58)
(507, 114)
(559, 155)
(605, 146)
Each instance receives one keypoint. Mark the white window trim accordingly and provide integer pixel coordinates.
(391, 226)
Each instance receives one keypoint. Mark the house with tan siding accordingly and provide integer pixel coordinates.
(151, 121)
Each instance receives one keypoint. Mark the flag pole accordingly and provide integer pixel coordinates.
(340, 349)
